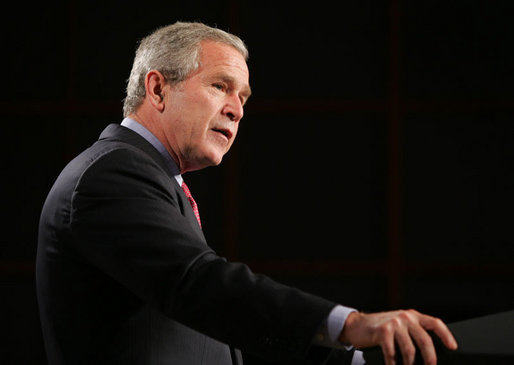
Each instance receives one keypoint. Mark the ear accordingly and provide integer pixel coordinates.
(155, 84)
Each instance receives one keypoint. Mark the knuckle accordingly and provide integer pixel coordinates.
(410, 352)
(394, 324)
(431, 360)
(413, 311)
(424, 342)
(384, 330)
(404, 315)
(387, 330)
(439, 323)
(397, 321)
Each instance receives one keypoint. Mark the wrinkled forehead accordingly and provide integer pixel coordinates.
(226, 62)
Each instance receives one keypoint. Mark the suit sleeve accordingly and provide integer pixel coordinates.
(126, 221)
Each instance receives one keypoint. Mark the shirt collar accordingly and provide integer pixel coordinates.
(149, 136)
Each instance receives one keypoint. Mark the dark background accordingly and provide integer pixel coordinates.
(383, 129)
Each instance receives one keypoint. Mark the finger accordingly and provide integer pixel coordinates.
(406, 346)
(387, 344)
(425, 344)
(440, 329)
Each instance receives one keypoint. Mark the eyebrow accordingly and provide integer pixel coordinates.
(246, 90)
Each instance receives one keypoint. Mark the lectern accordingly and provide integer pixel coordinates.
(483, 340)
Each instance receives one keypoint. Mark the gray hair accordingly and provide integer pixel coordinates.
(174, 51)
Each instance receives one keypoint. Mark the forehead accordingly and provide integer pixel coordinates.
(221, 58)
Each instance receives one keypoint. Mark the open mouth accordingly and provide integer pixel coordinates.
(224, 132)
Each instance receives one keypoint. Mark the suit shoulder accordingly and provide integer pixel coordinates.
(118, 165)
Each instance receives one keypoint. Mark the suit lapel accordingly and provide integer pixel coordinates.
(116, 132)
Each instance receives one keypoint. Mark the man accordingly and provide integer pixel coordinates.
(124, 274)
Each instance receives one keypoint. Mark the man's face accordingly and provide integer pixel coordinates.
(202, 113)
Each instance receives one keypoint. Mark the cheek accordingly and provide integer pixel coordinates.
(201, 139)
(196, 124)
(198, 117)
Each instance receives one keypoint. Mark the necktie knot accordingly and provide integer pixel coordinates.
(192, 202)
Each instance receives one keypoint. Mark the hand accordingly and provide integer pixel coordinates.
(400, 327)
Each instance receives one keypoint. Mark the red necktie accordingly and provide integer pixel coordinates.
(192, 202)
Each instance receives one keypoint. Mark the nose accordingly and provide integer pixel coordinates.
(233, 109)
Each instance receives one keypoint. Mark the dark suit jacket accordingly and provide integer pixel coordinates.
(125, 276)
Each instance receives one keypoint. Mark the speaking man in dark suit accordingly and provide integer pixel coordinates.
(124, 273)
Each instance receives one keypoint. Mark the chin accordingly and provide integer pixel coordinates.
(214, 156)
(207, 161)
(216, 161)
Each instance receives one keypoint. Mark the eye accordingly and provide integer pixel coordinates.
(219, 86)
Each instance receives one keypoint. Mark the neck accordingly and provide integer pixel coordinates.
(154, 127)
